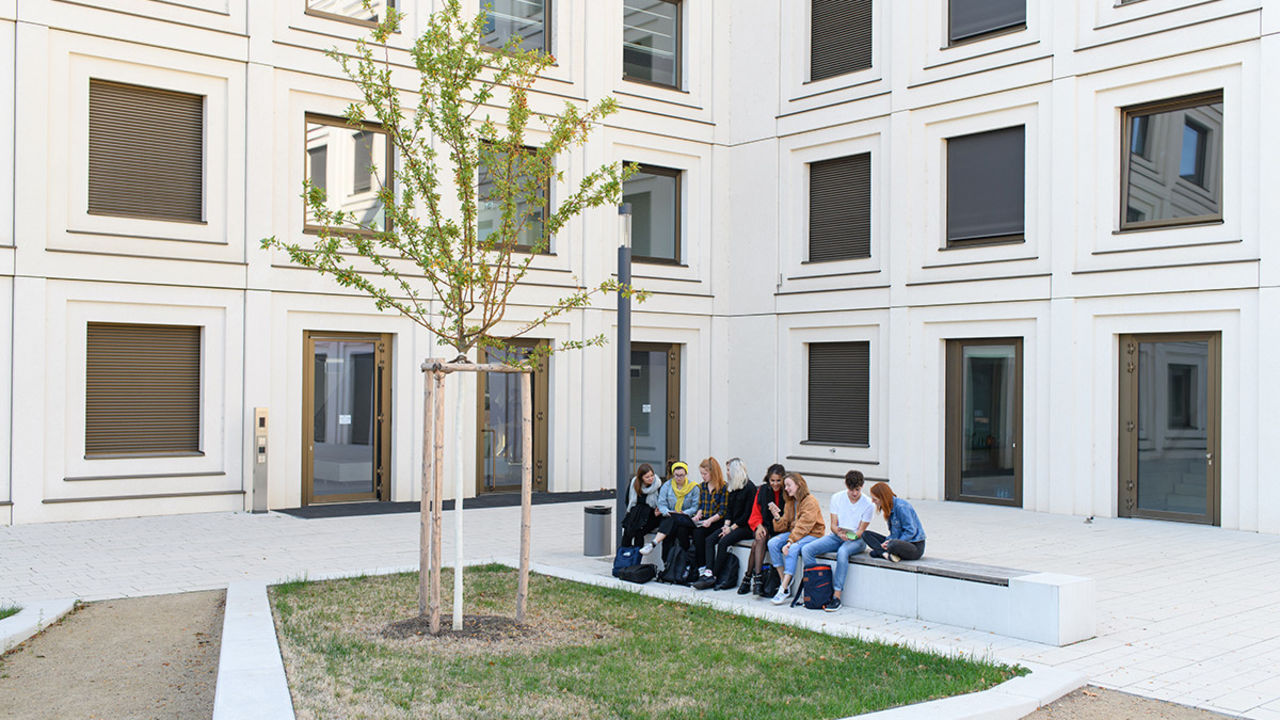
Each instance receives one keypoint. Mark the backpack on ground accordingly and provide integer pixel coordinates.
(626, 557)
(771, 580)
(727, 573)
(639, 574)
(678, 568)
(816, 588)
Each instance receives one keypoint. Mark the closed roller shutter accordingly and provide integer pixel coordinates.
(840, 208)
(839, 37)
(839, 392)
(142, 389)
(146, 152)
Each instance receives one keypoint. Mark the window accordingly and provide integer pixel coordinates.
(986, 187)
(651, 41)
(839, 37)
(654, 194)
(525, 20)
(1172, 174)
(146, 152)
(1182, 397)
(531, 203)
(840, 208)
(839, 393)
(350, 165)
(142, 390)
(351, 10)
(970, 19)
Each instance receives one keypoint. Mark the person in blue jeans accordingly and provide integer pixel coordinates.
(797, 526)
(851, 513)
(906, 534)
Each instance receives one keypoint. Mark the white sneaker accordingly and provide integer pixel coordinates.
(784, 594)
(706, 572)
(648, 548)
(894, 558)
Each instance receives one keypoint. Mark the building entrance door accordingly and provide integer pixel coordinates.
(984, 421)
(346, 417)
(1170, 395)
(655, 406)
(500, 436)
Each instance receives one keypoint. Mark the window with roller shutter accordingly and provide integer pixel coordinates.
(839, 37)
(142, 390)
(840, 208)
(839, 393)
(146, 152)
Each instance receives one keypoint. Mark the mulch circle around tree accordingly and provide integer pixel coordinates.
(474, 627)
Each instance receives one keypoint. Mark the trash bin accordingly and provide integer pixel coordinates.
(597, 530)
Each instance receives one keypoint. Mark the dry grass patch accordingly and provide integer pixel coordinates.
(352, 649)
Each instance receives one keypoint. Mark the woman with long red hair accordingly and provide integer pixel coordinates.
(906, 534)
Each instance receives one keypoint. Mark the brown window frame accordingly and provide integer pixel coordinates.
(677, 67)
(546, 30)
(953, 41)
(809, 390)
(389, 167)
(306, 10)
(870, 49)
(854, 157)
(1127, 116)
(546, 208)
(116, 426)
(982, 240)
(679, 212)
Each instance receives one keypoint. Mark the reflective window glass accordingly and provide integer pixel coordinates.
(1173, 170)
(350, 165)
(654, 194)
(651, 41)
(521, 19)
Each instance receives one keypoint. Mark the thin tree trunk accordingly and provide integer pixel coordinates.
(526, 490)
(457, 508)
(437, 479)
(427, 494)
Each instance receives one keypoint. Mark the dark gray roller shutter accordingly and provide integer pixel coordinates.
(839, 37)
(986, 185)
(970, 18)
(142, 389)
(840, 208)
(146, 152)
(839, 392)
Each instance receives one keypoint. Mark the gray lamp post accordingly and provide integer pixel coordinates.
(624, 362)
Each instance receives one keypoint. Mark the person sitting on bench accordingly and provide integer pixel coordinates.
(642, 506)
(770, 492)
(800, 525)
(713, 500)
(906, 535)
(742, 493)
(851, 513)
(677, 500)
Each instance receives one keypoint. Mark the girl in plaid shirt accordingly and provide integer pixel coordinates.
(713, 503)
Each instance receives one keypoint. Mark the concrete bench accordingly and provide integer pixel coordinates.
(1042, 607)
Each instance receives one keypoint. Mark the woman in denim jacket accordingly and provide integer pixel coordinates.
(906, 534)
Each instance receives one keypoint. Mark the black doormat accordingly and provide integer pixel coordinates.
(490, 500)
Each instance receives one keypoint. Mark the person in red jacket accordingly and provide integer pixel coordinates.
(770, 492)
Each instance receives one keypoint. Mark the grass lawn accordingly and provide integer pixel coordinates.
(586, 652)
(9, 611)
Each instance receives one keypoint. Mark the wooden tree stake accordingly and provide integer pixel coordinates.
(526, 491)
(437, 533)
(428, 496)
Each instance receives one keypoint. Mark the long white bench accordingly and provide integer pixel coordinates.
(1043, 607)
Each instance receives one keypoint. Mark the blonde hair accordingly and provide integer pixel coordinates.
(737, 471)
(715, 479)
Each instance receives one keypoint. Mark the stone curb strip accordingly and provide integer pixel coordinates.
(1009, 700)
(31, 619)
(251, 679)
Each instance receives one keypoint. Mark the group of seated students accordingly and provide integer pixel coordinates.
(781, 518)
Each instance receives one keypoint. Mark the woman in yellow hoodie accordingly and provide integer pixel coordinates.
(800, 524)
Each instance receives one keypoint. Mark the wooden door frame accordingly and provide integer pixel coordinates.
(673, 400)
(382, 415)
(1127, 427)
(954, 420)
(541, 400)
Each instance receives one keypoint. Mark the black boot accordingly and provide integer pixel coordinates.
(745, 586)
(757, 584)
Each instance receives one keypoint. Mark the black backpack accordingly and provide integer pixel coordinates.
(678, 568)
(639, 574)
(771, 580)
(727, 573)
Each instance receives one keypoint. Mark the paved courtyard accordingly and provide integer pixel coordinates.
(1186, 613)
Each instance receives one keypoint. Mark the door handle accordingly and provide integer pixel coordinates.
(1209, 458)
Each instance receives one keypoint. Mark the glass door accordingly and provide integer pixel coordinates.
(654, 432)
(984, 421)
(346, 415)
(1169, 400)
(500, 436)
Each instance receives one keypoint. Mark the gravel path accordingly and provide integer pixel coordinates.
(149, 657)
(1094, 703)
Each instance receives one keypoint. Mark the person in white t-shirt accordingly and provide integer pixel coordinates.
(851, 512)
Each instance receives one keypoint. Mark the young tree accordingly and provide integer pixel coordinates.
(425, 256)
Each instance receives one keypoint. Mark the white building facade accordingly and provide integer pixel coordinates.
(1003, 251)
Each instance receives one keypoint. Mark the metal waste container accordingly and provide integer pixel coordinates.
(597, 530)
